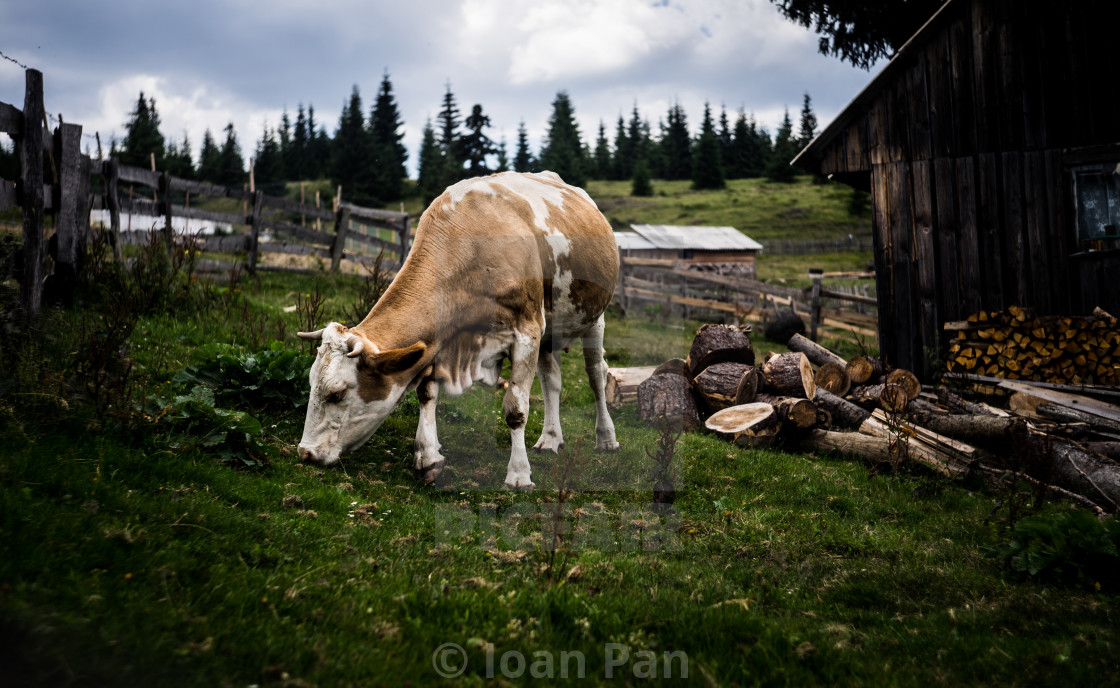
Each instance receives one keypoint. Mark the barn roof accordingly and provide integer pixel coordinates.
(631, 241)
(674, 238)
(810, 156)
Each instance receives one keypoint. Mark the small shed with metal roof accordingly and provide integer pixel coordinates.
(695, 245)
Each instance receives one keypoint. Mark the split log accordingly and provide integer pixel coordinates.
(843, 412)
(677, 366)
(719, 344)
(947, 457)
(868, 447)
(622, 383)
(864, 370)
(907, 381)
(717, 386)
(989, 429)
(790, 375)
(754, 425)
(885, 396)
(834, 378)
(668, 398)
(795, 411)
(749, 386)
(956, 404)
(817, 354)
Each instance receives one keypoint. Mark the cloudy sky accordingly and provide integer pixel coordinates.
(209, 62)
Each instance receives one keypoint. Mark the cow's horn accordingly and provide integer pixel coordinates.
(358, 344)
(317, 334)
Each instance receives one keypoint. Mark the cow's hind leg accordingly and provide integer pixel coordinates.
(597, 375)
(429, 462)
(548, 371)
(515, 404)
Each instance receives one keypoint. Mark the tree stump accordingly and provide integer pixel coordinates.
(793, 411)
(790, 375)
(889, 397)
(907, 381)
(749, 386)
(834, 378)
(677, 366)
(753, 425)
(719, 344)
(717, 387)
(864, 370)
(668, 398)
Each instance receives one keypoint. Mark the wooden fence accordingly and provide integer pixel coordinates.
(673, 285)
(67, 194)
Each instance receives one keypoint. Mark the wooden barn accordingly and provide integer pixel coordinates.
(725, 249)
(991, 147)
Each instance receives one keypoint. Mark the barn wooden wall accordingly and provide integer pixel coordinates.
(966, 138)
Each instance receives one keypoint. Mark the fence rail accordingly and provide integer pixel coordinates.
(815, 246)
(672, 284)
(67, 194)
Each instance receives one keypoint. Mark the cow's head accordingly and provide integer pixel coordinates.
(354, 387)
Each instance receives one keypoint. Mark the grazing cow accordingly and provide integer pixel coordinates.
(506, 266)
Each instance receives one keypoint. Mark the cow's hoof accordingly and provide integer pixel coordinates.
(610, 445)
(550, 443)
(519, 484)
(429, 473)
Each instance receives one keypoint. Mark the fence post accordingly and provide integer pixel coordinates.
(112, 199)
(31, 159)
(815, 304)
(165, 189)
(406, 227)
(255, 231)
(341, 227)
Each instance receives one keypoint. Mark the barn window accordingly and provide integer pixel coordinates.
(686, 254)
(1096, 197)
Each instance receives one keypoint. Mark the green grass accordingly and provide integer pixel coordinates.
(762, 209)
(128, 562)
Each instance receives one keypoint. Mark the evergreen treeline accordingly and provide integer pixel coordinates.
(367, 158)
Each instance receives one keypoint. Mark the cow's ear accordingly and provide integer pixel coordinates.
(398, 360)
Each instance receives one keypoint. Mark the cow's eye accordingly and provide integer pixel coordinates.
(334, 397)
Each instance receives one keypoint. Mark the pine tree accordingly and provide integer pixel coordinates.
(177, 159)
(295, 158)
(429, 178)
(808, 128)
(676, 145)
(503, 157)
(284, 140)
(623, 152)
(318, 147)
(725, 139)
(268, 170)
(448, 119)
(389, 152)
(475, 145)
(142, 137)
(523, 160)
(209, 157)
(351, 154)
(785, 148)
(563, 151)
(602, 154)
(640, 184)
(231, 166)
(707, 166)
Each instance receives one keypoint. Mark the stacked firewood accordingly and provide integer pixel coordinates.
(1018, 344)
(811, 399)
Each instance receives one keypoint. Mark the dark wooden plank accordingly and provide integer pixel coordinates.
(293, 207)
(376, 242)
(341, 229)
(938, 69)
(902, 267)
(95, 166)
(855, 146)
(255, 230)
(139, 175)
(926, 261)
(1009, 80)
(81, 238)
(373, 215)
(947, 239)
(1031, 58)
(207, 189)
(1037, 227)
(989, 197)
(31, 154)
(210, 215)
(884, 264)
(1016, 262)
(917, 98)
(877, 130)
(294, 249)
(224, 244)
(1061, 234)
(112, 200)
(971, 281)
(898, 121)
(11, 120)
(985, 77)
(7, 195)
(962, 86)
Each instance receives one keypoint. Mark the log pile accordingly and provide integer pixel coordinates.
(1020, 345)
(810, 399)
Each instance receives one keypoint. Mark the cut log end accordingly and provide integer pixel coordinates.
(790, 374)
(719, 344)
(834, 378)
(754, 424)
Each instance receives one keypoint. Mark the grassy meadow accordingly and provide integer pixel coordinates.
(161, 531)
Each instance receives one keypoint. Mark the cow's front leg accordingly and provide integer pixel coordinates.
(596, 368)
(515, 404)
(429, 462)
(548, 371)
